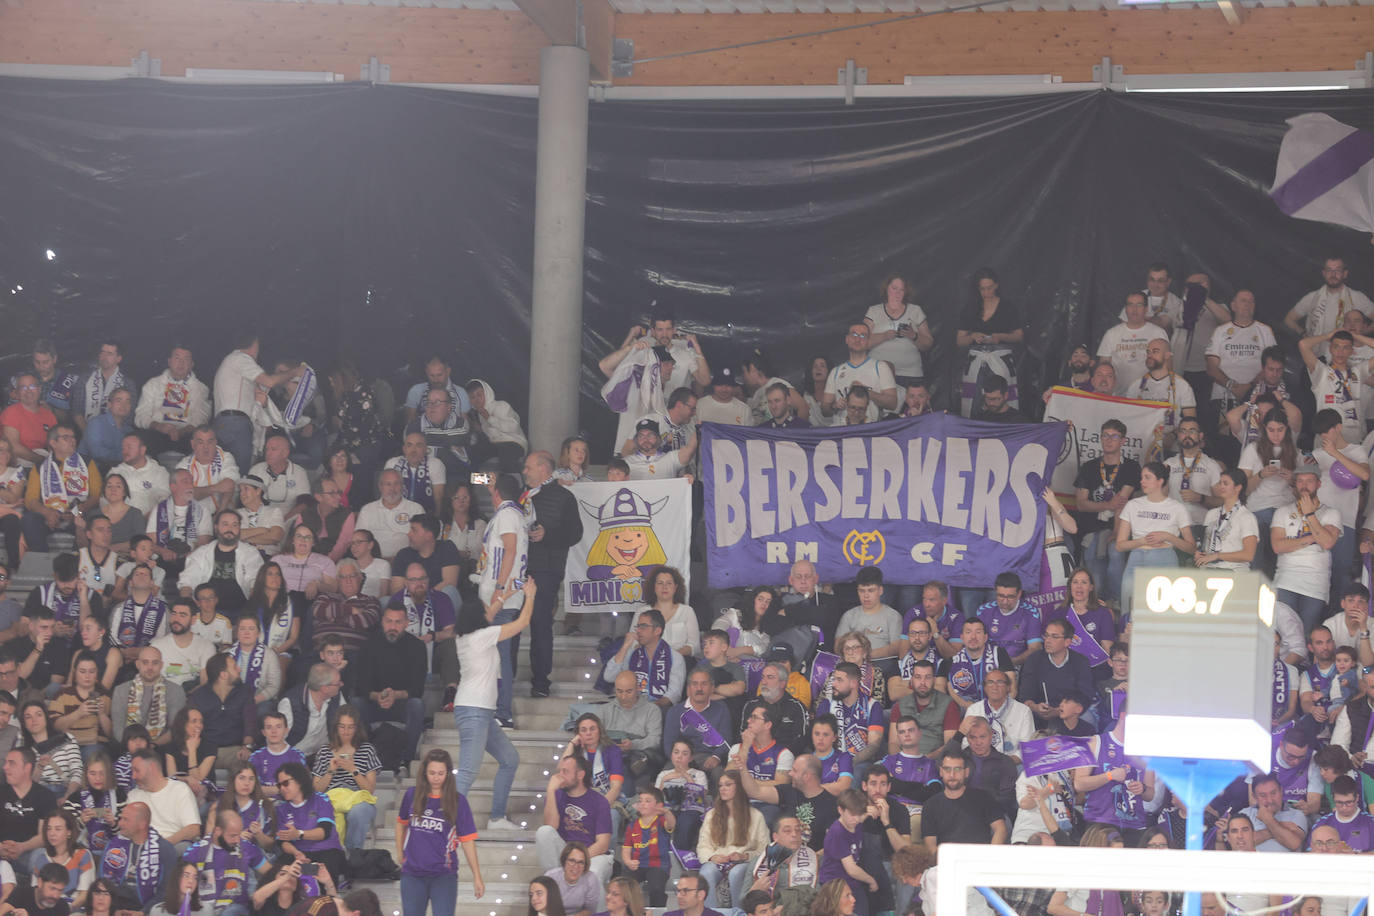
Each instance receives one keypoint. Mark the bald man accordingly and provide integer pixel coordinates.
(137, 860)
(148, 684)
(804, 605)
(632, 713)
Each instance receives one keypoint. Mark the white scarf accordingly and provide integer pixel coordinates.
(62, 488)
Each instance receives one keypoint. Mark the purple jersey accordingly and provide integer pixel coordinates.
(1112, 804)
(431, 844)
(1321, 684)
(1358, 832)
(224, 873)
(837, 764)
(950, 625)
(840, 843)
(580, 819)
(265, 763)
(255, 813)
(1014, 631)
(607, 765)
(309, 814)
(910, 769)
(1097, 620)
(855, 721)
(763, 764)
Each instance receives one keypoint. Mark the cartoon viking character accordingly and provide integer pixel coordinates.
(626, 547)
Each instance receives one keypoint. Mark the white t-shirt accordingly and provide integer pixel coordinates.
(1346, 502)
(1306, 571)
(180, 664)
(900, 352)
(116, 619)
(1171, 388)
(147, 485)
(97, 577)
(264, 516)
(281, 490)
(172, 807)
(1270, 492)
(663, 466)
(685, 359)
(508, 519)
(1226, 533)
(734, 411)
(1200, 474)
(236, 384)
(1125, 348)
(874, 374)
(390, 527)
(1143, 516)
(1239, 351)
(433, 466)
(376, 578)
(1325, 310)
(1340, 631)
(1340, 391)
(481, 665)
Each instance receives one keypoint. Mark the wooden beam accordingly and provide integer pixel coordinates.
(598, 24)
(557, 18)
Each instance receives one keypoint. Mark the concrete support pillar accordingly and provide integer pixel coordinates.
(559, 226)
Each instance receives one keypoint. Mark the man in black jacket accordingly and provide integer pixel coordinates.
(989, 770)
(557, 527)
(391, 679)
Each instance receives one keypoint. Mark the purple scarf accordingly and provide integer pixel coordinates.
(64, 610)
(694, 722)
(652, 673)
(146, 867)
(251, 669)
(98, 832)
(164, 523)
(1282, 689)
(419, 486)
(143, 630)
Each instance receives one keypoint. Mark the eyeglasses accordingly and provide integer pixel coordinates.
(572, 861)
(687, 890)
(4, 577)
(283, 783)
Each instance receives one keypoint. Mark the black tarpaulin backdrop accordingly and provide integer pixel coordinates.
(379, 223)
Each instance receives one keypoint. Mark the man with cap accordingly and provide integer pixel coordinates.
(260, 524)
(675, 424)
(1303, 534)
(862, 369)
(648, 463)
(722, 406)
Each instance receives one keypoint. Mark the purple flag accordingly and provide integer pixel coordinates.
(1118, 700)
(1083, 642)
(925, 497)
(1326, 172)
(821, 666)
(753, 670)
(693, 721)
(1055, 753)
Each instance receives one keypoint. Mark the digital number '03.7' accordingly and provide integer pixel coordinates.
(1163, 593)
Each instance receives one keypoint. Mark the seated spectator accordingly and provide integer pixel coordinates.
(182, 895)
(229, 709)
(837, 765)
(960, 813)
(141, 618)
(857, 406)
(387, 519)
(423, 477)
(1116, 788)
(744, 620)
(786, 871)
(732, 836)
(60, 847)
(274, 753)
(260, 668)
(920, 647)
(214, 471)
(659, 668)
(1048, 676)
(875, 375)
(184, 654)
(146, 482)
(768, 761)
(500, 424)
(227, 564)
(791, 720)
(328, 518)
(544, 898)
(574, 812)
(780, 408)
(307, 572)
(140, 554)
(24, 804)
(9, 729)
(60, 487)
(44, 897)
(364, 551)
(680, 629)
(647, 462)
(1279, 828)
(95, 647)
(448, 433)
(188, 757)
(1012, 622)
(728, 680)
(286, 481)
(617, 469)
(171, 805)
(209, 623)
(439, 558)
(962, 675)
(995, 406)
(148, 700)
(178, 524)
(136, 738)
(913, 775)
(635, 725)
(580, 890)
(27, 421)
(277, 611)
(44, 658)
(573, 460)
(438, 381)
(687, 793)
(230, 861)
(798, 685)
(59, 758)
(102, 439)
(284, 889)
(305, 820)
(861, 721)
(92, 394)
(1011, 721)
(347, 615)
(991, 770)
(647, 849)
(259, 524)
(345, 771)
(854, 647)
(97, 562)
(173, 404)
(12, 485)
(83, 709)
(391, 680)
(96, 804)
(1355, 827)
(700, 721)
(879, 623)
(309, 709)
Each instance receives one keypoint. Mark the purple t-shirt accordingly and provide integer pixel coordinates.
(951, 622)
(265, 763)
(580, 819)
(309, 814)
(431, 846)
(838, 844)
(836, 765)
(1358, 833)
(1013, 631)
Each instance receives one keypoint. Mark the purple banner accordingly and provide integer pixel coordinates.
(1118, 700)
(1055, 753)
(693, 721)
(931, 497)
(753, 672)
(821, 666)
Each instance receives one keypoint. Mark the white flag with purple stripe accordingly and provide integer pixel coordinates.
(1326, 172)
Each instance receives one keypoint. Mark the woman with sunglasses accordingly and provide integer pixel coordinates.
(305, 820)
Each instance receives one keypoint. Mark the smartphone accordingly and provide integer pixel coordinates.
(480, 477)
(1275, 463)
(310, 869)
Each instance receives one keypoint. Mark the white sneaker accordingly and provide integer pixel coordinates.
(501, 823)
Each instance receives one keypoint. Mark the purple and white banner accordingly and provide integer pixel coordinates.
(1055, 753)
(932, 497)
(1325, 172)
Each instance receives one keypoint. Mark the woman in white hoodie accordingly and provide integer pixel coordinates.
(500, 424)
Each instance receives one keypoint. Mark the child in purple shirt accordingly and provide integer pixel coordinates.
(844, 842)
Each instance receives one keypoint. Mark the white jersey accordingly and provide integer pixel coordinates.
(508, 519)
(1238, 350)
(1307, 570)
(685, 360)
(662, 466)
(1125, 347)
(1171, 388)
(282, 490)
(873, 374)
(1270, 492)
(1346, 502)
(899, 352)
(1324, 309)
(1340, 390)
(390, 526)
(147, 485)
(1225, 532)
(733, 412)
(1199, 475)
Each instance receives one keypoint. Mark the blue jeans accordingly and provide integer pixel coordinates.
(235, 434)
(506, 686)
(1311, 611)
(1141, 557)
(359, 821)
(478, 733)
(438, 893)
(712, 876)
(1098, 550)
